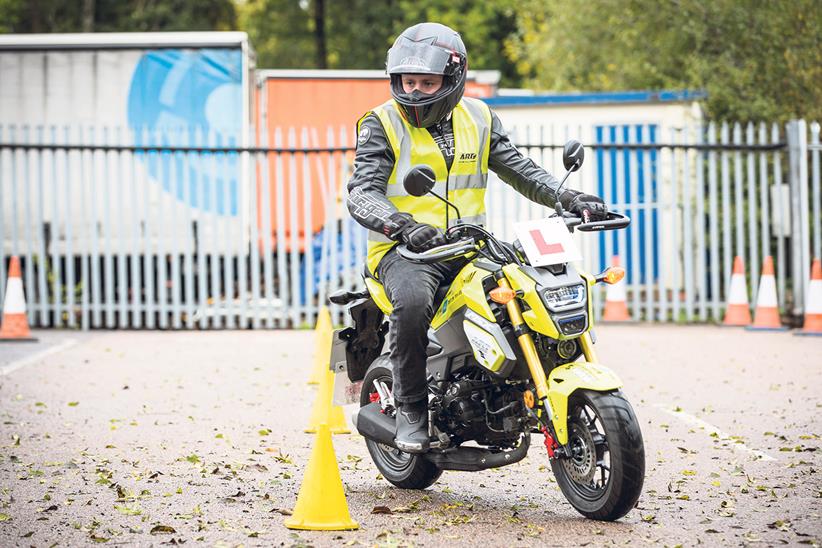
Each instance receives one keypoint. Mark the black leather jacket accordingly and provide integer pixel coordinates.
(374, 161)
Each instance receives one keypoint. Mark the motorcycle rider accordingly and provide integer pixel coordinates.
(428, 121)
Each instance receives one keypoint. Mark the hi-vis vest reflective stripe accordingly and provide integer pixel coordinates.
(465, 182)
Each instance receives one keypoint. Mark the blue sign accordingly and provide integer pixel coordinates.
(182, 97)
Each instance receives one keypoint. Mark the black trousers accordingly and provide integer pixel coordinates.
(411, 288)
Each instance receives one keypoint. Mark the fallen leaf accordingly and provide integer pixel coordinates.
(381, 510)
(160, 529)
(75, 404)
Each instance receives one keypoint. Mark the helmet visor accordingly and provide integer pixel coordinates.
(409, 57)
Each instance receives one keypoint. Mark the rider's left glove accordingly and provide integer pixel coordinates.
(584, 205)
(418, 236)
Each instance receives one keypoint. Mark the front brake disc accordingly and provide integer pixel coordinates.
(581, 466)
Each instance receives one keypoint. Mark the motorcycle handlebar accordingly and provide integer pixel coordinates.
(613, 221)
(463, 246)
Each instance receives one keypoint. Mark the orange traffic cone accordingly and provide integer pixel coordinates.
(15, 324)
(813, 303)
(766, 315)
(616, 305)
(738, 311)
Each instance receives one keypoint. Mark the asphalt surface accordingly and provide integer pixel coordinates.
(198, 437)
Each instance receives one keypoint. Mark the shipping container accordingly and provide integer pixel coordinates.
(128, 89)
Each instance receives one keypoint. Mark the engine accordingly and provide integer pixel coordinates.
(472, 407)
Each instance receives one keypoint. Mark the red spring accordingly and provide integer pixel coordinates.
(374, 397)
(550, 444)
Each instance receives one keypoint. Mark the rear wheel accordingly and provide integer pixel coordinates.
(401, 469)
(603, 477)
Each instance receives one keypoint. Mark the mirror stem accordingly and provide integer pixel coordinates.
(459, 217)
(559, 188)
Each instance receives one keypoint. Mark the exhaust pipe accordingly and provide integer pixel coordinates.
(371, 423)
(472, 459)
(375, 425)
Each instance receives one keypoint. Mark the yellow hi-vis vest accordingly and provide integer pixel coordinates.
(465, 182)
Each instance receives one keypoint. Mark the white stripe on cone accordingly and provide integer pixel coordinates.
(738, 293)
(814, 300)
(767, 293)
(616, 292)
(14, 303)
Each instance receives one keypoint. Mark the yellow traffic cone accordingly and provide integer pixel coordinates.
(323, 339)
(321, 504)
(325, 412)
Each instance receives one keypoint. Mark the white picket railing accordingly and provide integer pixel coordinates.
(127, 231)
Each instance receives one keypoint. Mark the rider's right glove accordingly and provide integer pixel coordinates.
(418, 236)
(578, 203)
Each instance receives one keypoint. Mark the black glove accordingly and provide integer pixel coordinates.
(418, 236)
(584, 205)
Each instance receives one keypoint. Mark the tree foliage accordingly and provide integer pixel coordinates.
(757, 60)
(24, 16)
(359, 32)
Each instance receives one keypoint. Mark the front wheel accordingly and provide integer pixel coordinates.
(603, 477)
(404, 470)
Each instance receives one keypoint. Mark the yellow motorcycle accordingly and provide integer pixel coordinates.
(511, 354)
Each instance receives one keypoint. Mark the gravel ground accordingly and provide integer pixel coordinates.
(197, 436)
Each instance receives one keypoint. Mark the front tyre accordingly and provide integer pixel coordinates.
(404, 470)
(603, 477)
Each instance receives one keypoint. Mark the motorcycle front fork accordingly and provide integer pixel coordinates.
(526, 343)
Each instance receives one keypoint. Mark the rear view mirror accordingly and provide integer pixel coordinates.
(419, 180)
(572, 155)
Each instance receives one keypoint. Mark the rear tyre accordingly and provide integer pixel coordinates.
(401, 469)
(603, 478)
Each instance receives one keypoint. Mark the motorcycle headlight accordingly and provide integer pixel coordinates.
(562, 298)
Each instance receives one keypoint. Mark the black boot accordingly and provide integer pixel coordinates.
(412, 427)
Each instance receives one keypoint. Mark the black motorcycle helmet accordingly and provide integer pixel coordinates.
(428, 48)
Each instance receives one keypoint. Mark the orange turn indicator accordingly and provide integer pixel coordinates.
(502, 295)
(613, 274)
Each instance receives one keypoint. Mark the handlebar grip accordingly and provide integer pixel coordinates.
(612, 222)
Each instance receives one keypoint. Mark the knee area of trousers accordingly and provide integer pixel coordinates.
(414, 309)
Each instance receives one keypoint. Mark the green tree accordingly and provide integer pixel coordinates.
(757, 60)
(484, 27)
(358, 33)
(24, 16)
(281, 32)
